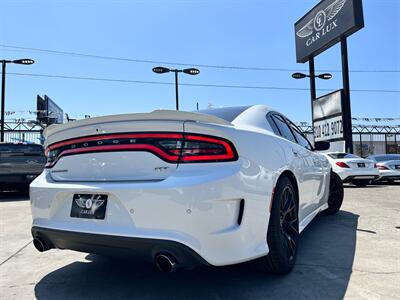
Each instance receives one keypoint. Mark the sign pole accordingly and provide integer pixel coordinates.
(312, 90)
(3, 93)
(347, 125)
(312, 85)
(176, 90)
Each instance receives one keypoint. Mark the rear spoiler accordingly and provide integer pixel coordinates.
(156, 115)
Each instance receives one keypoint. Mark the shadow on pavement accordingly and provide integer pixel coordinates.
(324, 265)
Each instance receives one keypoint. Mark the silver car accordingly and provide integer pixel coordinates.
(388, 165)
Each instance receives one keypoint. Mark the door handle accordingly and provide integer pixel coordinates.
(295, 153)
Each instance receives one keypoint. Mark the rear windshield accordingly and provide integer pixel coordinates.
(21, 148)
(342, 155)
(226, 113)
(386, 157)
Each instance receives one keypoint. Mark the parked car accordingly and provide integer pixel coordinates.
(181, 189)
(352, 168)
(388, 165)
(20, 163)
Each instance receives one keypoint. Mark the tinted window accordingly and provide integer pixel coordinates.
(226, 113)
(272, 124)
(283, 128)
(342, 155)
(386, 157)
(21, 148)
(301, 139)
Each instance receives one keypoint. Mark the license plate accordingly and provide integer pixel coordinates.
(361, 165)
(89, 206)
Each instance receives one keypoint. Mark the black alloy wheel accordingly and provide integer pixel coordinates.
(283, 231)
(288, 221)
(336, 194)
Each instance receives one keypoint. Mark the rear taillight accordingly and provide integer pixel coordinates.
(198, 148)
(342, 164)
(171, 147)
(382, 167)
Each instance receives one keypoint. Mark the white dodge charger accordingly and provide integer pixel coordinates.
(181, 189)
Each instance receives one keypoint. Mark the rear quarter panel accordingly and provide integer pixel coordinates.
(261, 161)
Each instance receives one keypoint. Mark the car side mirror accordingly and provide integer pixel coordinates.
(322, 146)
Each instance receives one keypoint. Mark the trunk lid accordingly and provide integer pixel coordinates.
(96, 137)
(358, 163)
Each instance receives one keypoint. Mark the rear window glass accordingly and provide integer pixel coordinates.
(21, 148)
(386, 157)
(227, 113)
(342, 155)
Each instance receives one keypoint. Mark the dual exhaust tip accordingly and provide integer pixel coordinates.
(166, 263)
(40, 244)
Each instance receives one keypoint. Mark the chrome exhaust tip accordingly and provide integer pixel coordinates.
(40, 245)
(165, 263)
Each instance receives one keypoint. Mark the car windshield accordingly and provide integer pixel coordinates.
(21, 148)
(386, 157)
(342, 155)
(226, 113)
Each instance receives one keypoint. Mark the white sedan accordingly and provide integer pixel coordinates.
(388, 166)
(180, 189)
(352, 168)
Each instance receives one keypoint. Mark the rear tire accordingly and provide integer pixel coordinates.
(336, 195)
(283, 231)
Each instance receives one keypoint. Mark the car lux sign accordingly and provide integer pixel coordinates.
(325, 24)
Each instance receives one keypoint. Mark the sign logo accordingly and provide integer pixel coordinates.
(91, 203)
(318, 22)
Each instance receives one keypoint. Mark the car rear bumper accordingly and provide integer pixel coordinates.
(138, 248)
(389, 175)
(360, 178)
(200, 210)
(348, 175)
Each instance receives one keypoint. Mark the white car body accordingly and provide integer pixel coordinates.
(352, 168)
(388, 166)
(217, 210)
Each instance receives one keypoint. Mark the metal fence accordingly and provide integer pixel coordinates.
(367, 139)
(21, 130)
(28, 136)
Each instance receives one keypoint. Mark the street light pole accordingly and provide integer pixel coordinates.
(176, 89)
(190, 71)
(23, 61)
(3, 94)
(312, 76)
(312, 86)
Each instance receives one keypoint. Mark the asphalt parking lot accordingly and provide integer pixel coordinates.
(354, 255)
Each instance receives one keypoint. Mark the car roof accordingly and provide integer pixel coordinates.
(236, 114)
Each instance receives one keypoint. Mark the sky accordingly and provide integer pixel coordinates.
(215, 32)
